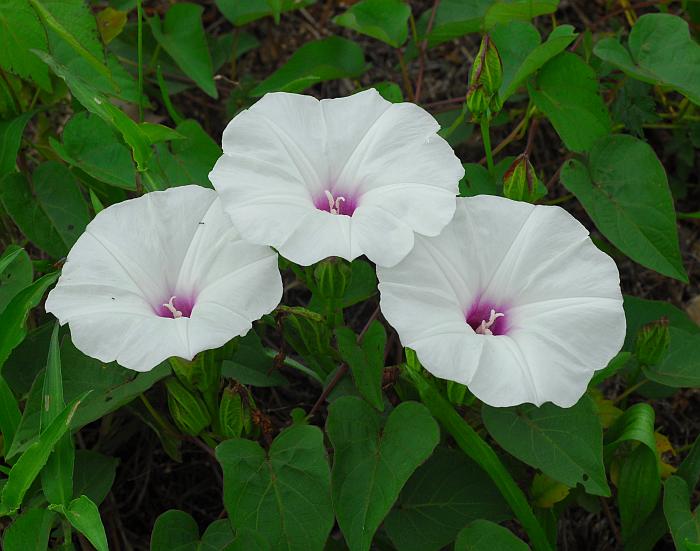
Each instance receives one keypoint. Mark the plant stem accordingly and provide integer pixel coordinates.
(486, 137)
(139, 39)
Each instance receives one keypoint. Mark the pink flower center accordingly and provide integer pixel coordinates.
(486, 318)
(336, 204)
(176, 307)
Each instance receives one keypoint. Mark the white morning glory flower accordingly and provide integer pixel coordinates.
(511, 299)
(337, 177)
(163, 275)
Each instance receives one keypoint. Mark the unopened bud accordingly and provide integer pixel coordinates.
(231, 413)
(520, 181)
(487, 70)
(188, 411)
(332, 277)
(652, 342)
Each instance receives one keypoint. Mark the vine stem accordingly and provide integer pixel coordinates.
(139, 40)
(423, 48)
(486, 137)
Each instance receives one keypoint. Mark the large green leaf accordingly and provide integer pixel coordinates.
(566, 444)
(181, 34)
(283, 495)
(385, 20)
(94, 475)
(30, 463)
(250, 365)
(13, 318)
(566, 91)
(638, 489)
(16, 273)
(176, 530)
(52, 213)
(84, 515)
(372, 463)
(639, 312)
(366, 360)
(29, 532)
(684, 523)
(680, 367)
(20, 32)
(660, 51)
(239, 13)
(10, 138)
(317, 61)
(482, 535)
(502, 11)
(90, 145)
(442, 496)
(623, 188)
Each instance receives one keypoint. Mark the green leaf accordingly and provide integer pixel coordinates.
(20, 33)
(385, 20)
(239, 13)
(660, 51)
(317, 61)
(522, 54)
(366, 360)
(16, 273)
(181, 34)
(94, 475)
(83, 514)
(98, 104)
(284, 494)
(566, 91)
(684, 523)
(372, 463)
(13, 318)
(29, 532)
(175, 530)
(638, 489)
(483, 535)
(680, 367)
(623, 188)
(247, 540)
(640, 312)
(565, 444)
(57, 475)
(503, 11)
(55, 214)
(251, 366)
(10, 137)
(441, 497)
(635, 425)
(90, 145)
(9, 415)
(31, 462)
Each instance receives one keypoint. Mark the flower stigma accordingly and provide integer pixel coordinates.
(485, 326)
(333, 203)
(176, 313)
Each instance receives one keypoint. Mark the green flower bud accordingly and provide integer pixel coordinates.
(188, 411)
(202, 373)
(478, 102)
(332, 278)
(520, 181)
(487, 70)
(457, 394)
(652, 342)
(231, 413)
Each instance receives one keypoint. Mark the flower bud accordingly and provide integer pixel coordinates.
(477, 102)
(231, 413)
(652, 342)
(188, 411)
(520, 181)
(487, 70)
(332, 277)
(202, 373)
(457, 394)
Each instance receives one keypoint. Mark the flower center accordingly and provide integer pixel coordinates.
(176, 308)
(335, 204)
(487, 319)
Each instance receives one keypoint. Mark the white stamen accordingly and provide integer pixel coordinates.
(333, 203)
(174, 311)
(485, 327)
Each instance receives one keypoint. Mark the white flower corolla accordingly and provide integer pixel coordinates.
(163, 275)
(336, 177)
(511, 299)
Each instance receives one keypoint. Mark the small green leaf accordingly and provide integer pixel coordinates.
(90, 145)
(29, 532)
(385, 20)
(502, 11)
(660, 51)
(372, 463)
(84, 515)
(94, 475)
(9, 415)
(623, 188)
(638, 489)
(13, 318)
(483, 535)
(684, 523)
(366, 360)
(566, 91)
(175, 530)
(251, 366)
(441, 497)
(566, 444)
(317, 61)
(16, 273)
(283, 495)
(181, 34)
(635, 425)
(30, 463)
(680, 367)
(10, 137)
